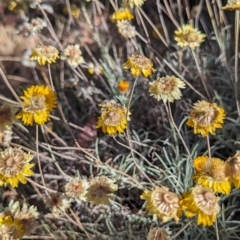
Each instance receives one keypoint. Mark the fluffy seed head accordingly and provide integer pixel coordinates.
(101, 190)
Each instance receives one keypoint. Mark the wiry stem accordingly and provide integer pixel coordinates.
(128, 133)
(168, 109)
(209, 147)
(236, 60)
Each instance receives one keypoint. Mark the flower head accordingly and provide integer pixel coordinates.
(188, 36)
(73, 55)
(36, 25)
(205, 117)
(101, 190)
(45, 54)
(157, 234)
(58, 203)
(166, 88)
(203, 202)
(139, 64)
(76, 189)
(17, 6)
(133, 3)
(122, 14)
(25, 215)
(126, 29)
(163, 203)
(6, 116)
(123, 86)
(11, 228)
(113, 119)
(232, 169)
(232, 5)
(15, 166)
(210, 173)
(75, 11)
(97, 69)
(38, 101)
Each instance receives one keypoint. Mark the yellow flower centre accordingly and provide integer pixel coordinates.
(205, 117)
(36, 103)
(214, 169)
(190, 36)
(113, 118)
(141, 61)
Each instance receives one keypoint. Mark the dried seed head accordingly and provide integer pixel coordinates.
(126, 29)
(57, 202)
(6, 115)
(101, 190)
(206, 200)
(76, 189)
(157, 234)
(232, 167)
(5, 136)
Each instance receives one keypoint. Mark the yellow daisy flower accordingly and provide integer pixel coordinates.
(188, 36)
(122, 14)
(11, 229)
(38, 101)
(205, 117)
(25, 215)
(232, 5)
(101, 190)
(123, 86)
(163, 203)
(45, 54)
(201, 202)
(133, 3)
(232, 169)
(210, 173)
(73, 55)
(139, 64)
(166, 88)
(75, 11)
(15, 166)
(113, 119)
